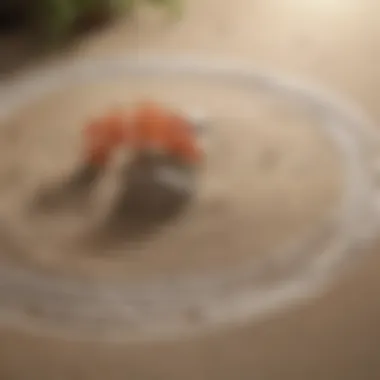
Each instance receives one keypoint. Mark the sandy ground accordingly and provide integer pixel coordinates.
(243, 203)
(336, 336)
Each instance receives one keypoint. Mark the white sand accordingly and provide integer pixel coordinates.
(270, 176)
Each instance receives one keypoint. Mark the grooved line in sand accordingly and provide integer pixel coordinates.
(161, 310)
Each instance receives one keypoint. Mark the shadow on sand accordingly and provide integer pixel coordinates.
(145, 202)
(72, 192)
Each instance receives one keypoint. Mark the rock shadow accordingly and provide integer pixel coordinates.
(154, 192)
(72, 192)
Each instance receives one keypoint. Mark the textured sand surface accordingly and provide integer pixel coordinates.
(270, 176)
(334, 337)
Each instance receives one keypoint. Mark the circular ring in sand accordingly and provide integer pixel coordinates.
(234, 274)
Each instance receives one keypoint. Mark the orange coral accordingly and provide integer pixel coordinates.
(149, 127)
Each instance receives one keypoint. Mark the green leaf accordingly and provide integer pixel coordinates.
(57, 17)
(121, 6)
(175, 6)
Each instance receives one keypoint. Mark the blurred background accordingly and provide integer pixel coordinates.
(333, 42)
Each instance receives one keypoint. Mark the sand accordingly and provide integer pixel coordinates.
(270, 176)
(334, 337)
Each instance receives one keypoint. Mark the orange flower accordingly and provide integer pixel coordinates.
(149, 127)
(102, 136)
(165, 130)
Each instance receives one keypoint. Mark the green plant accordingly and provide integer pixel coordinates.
(58, 18)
